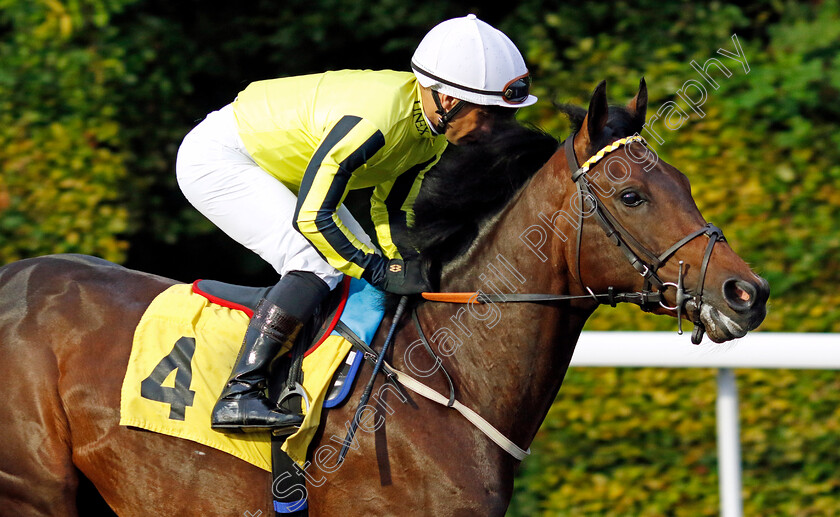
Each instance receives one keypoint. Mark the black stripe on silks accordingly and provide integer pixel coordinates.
(338, 132)
(324, 221)
(402, 187)
(396, 216)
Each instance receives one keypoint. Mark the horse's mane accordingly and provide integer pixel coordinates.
(471, 183)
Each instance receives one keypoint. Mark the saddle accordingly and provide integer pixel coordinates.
(188, 339)
(323, 322)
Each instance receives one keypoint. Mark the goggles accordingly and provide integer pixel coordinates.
(515, 92)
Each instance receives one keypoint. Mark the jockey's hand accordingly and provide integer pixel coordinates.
(405, 277)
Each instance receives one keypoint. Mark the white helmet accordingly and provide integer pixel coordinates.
(474, 62)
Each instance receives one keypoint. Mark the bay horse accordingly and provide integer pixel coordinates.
(516, 223)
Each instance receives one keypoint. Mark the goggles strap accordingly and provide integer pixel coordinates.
(508, 93)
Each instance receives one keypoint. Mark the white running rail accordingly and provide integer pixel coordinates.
(756, 350)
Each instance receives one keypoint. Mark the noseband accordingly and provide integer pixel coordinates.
(646, 262)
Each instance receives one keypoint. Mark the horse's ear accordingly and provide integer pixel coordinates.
(596, 117)
(638, 105)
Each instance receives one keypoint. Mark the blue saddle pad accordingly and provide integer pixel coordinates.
(362, 314)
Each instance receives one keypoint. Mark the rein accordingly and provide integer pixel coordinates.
(646, 265)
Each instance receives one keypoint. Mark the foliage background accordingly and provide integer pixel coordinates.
(95, 96)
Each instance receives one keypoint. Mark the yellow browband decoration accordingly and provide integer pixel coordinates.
(608, 149)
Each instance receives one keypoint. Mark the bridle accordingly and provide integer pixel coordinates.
(646, 262)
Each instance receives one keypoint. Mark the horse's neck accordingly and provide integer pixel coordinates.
(508, 359)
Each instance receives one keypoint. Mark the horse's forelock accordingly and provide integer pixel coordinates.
(623, 123)
(620, 122)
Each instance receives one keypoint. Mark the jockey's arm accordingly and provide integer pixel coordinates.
(391, 211)
(347, 146)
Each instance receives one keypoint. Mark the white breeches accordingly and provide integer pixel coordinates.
(221, 180)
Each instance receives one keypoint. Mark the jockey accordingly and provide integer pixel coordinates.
(272, 169)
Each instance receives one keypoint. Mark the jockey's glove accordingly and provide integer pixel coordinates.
(404, 277)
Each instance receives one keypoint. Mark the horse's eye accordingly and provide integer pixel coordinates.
(631, 198)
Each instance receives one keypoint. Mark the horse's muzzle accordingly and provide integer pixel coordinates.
(742, 308)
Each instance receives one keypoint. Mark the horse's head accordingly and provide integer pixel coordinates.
(642, 231)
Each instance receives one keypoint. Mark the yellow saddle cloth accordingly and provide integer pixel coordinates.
(183, 351)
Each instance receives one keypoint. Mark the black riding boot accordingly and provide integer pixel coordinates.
(243, 406)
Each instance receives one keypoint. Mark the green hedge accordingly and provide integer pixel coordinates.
(61, 148)
(764, 161)
(641, 441)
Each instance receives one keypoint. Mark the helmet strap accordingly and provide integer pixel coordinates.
(445, 116)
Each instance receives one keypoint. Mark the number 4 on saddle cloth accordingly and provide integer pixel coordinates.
(186, 344)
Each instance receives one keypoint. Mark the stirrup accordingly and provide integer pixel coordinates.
(298, 390)
(288, 392)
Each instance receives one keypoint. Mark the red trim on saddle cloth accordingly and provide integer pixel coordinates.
(345, 290)
(221, 301)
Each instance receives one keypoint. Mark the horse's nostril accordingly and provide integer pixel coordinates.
(740, 295)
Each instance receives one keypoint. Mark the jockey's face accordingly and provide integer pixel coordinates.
(470, 125)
